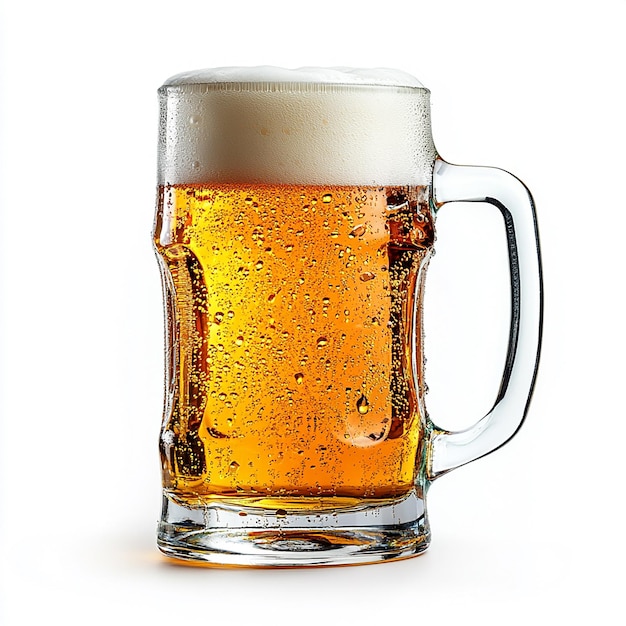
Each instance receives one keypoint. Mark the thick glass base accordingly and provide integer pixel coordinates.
(303, 533)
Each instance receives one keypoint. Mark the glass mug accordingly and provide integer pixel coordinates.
(294, 225)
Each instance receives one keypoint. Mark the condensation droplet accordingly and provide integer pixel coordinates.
(365, 276)
(248, 200)
(195, 165)
(231, 314)
(219, 316)
(299, 377)
(239, 340)
(259, 265)
(175, 252)
(357, 231)
(326, 198)
(234, 466)
(222, 397)
(321, 342)
(194, 119)
(362, 405)
(281, 513)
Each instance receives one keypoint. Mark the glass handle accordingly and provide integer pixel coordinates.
(459, 183)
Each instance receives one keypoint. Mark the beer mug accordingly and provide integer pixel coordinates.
(295, 222)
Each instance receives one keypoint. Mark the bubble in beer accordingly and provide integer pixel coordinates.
(362, 405)
(326, 198)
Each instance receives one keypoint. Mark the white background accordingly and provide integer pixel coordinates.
(532, 533)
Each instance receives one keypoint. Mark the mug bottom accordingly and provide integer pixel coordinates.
(311, 532)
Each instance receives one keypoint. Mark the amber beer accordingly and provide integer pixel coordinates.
(291, 340)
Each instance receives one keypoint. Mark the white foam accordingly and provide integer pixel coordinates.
(308, 126)
(269, 74)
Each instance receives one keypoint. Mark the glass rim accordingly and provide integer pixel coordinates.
(304, 79)
(284, 87)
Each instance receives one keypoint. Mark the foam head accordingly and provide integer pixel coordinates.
(311, 126)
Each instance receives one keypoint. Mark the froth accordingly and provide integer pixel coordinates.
(310, 126)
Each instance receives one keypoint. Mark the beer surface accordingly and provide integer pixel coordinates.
(292, 365)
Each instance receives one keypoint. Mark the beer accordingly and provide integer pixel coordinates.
(290, 339)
